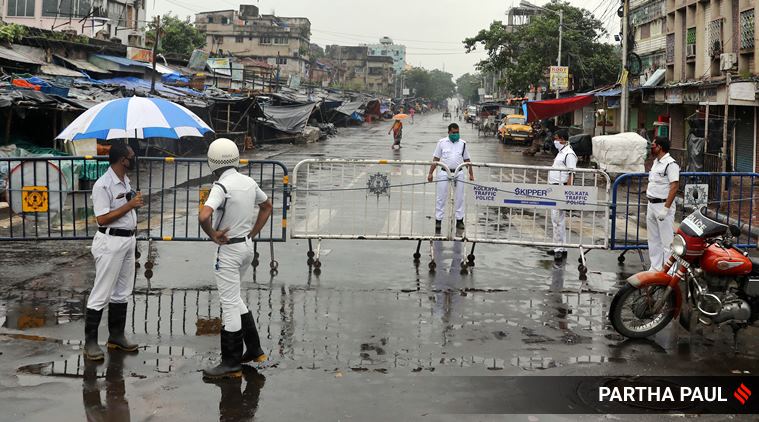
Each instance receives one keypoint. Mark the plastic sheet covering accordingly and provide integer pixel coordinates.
(695, 153)
(349, 108)
(582, 144)
(288, 119)
(620, 153)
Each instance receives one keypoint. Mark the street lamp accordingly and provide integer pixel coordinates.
(528, 5)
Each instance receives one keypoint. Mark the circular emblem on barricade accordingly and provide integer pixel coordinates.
(696, 195)
(378, 184)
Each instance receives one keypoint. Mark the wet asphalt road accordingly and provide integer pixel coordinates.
(364, 340)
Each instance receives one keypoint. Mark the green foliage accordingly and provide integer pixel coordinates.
(466, 86)
(178, 36)
(10, 32)
(524, 54)
(435, 84)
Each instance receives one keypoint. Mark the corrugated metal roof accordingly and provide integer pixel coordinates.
(55, 70)
(655, 79)
(123, 61)
(15, 56)
(83, 65)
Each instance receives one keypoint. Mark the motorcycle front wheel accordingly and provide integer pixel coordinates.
(632, 315)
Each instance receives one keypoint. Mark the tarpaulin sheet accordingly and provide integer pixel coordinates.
(288, 119)
(620, 153)
(539, 110)
(349, 108)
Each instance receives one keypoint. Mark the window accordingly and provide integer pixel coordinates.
(375, 70)
(265, 40)
(281, 40)
(238, 39)
(20, 7)
(210, 19)
(645, 31)
(747, 29)
(281, 60)
(224, 20)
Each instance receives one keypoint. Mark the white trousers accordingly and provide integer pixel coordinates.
(559, 223)
(114, 270)
(232, 261)
(660, 235)
(442, 195)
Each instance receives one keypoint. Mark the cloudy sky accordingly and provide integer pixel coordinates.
(432, 30)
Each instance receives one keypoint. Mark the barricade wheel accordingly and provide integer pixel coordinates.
(417, 255)
(621, 259)
(317, 264)
(273, 272)
(317, 271)
(274, 265)
(310, 261)
(254, 263)
(582, 269)
(310, 254)
(583, 277)
(470, 257)
(148, 273)
(432, 265)
(148, 265)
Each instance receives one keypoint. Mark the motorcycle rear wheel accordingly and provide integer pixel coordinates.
(631, 314)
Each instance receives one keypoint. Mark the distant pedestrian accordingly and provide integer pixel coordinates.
(235, 197)
(397, 130)
(452, 152)
(565, 161)
(663, 182)
(411, 113)
(114, 203)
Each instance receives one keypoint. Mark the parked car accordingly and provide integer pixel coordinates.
(515, 128)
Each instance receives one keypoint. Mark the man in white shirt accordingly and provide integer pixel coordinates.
(663, 182)
(114, 203)
(565, 161)
(452, 152)
(227, 217)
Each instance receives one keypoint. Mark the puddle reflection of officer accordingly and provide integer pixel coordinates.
(116, 405)
(566, 159)
(447, 285)
(237, 404)
(557, 286)
(233, 198)
(114, 203)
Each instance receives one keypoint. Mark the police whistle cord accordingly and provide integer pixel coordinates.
(600, 204)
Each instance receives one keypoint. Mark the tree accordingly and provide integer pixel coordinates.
(467, 85)
(435, 85)
(523, 54)
(178, 36)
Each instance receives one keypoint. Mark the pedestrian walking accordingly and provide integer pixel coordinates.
(397, 130)
(411, 113)
(564, 162)
(114, 203)
(663, 182)
(230, 219)
(452, 152)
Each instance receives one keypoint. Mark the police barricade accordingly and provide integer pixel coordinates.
(512, 204)
(363, 199)
(730, 198)
(51, 197)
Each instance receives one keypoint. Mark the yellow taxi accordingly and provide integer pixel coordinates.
(514, 127)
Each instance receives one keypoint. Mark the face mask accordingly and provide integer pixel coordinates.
(454, 137)
(558, 145)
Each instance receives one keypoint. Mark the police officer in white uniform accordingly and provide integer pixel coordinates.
(114, 203)
(663, 182)
(229, 217)
(452, 151)
(566, 159)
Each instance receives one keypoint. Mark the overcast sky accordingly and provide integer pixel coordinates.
(432, 30)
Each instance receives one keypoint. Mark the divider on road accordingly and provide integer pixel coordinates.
(51, 197)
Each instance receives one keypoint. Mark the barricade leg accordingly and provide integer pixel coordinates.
(310, 254)
(417, 255)
(463, 264)
(317, 263)
(432, 263)
(582, 268)
(273, 265)
(470, 257)
(255, 262)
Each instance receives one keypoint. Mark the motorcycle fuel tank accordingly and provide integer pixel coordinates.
(725, 261)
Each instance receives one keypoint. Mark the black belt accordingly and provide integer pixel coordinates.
(234, 240)
(656, 200)
(116, 232)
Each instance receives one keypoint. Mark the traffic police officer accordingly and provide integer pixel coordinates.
(566, 159)
(114, 203)
(229, 218)
(663, 182)
(452, 151)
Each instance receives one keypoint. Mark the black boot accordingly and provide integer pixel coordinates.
(116, 323)
(231, 353)
(253, 351)
(91, 349)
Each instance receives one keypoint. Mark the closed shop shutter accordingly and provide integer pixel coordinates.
(744, 139)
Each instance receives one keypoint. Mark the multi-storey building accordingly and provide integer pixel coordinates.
(122, 20)
(280, 41)
(386, 48)
(351, 66)
(380, 75)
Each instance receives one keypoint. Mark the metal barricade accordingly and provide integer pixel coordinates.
(512, 204)
(730, 198)
(51, 197)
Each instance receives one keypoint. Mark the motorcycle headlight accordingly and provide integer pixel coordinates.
(678, 245)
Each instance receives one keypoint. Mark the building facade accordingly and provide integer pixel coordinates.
(380, 77)
(283, 42)
(122, 20)
(386, 48)
(350, 64)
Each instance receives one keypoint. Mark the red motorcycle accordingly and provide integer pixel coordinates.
(720, 283)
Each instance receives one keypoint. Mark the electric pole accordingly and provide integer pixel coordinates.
(155, 52)
(625, 100)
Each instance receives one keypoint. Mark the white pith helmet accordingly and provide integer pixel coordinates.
(223, 152)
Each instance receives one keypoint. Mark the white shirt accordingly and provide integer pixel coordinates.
(451, 154)
(663, 172)
(109, 193)
(243, 196)
(565, 159)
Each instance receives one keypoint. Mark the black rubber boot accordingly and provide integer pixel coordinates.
(116, 322)
(231, 353)
(253, 351)
(438, 226)
(91, 349)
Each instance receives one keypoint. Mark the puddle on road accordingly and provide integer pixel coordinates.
(35, 309)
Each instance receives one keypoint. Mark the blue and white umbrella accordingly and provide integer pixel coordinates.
(135, 117)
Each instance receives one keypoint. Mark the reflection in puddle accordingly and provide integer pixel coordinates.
(30, 309)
